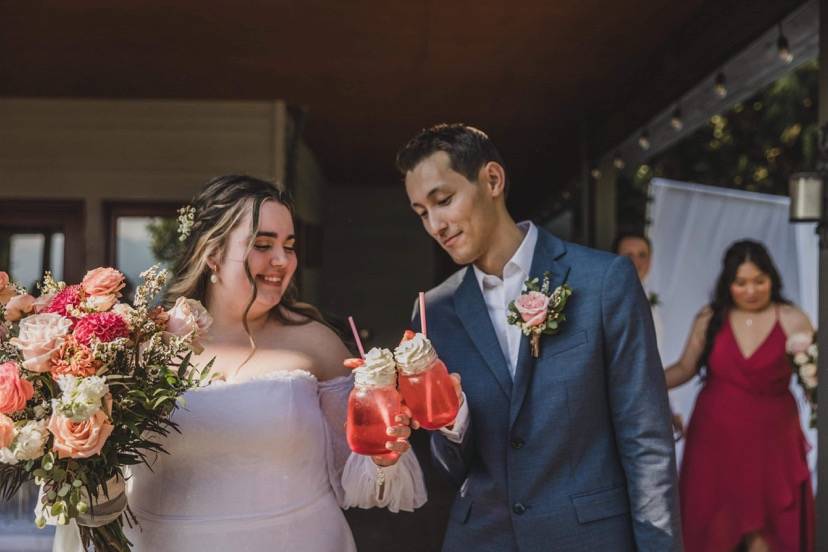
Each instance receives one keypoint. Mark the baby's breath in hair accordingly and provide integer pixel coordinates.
(186, 219)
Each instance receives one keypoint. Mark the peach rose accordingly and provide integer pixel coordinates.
(532, 307)
(42, 302)
(6, 431)
(7, 291)
(103, 281)
(19, 306)
(14, 390)
(40, 339)
(188, 317)
(79, 439)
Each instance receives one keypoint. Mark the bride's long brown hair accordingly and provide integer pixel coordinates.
(219, 209)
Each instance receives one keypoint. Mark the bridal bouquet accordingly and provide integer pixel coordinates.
(87, 386)
(803, 353)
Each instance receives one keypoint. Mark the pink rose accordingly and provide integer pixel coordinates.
(798, 343)
(6, 291)
(40, 339)
(14, 390)
(19, 306)
(6, 431)
(103, 281)
(79, 439)
(189, 318)
(532, 307)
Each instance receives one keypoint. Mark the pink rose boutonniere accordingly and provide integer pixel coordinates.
(537, 311)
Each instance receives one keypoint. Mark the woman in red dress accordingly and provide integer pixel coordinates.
(744, 479)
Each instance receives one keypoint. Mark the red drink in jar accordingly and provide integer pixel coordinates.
(425, 383)
(373, 404)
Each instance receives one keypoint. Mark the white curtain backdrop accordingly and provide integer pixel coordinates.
(691, 227)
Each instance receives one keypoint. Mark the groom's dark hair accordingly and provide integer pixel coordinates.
(468, 149)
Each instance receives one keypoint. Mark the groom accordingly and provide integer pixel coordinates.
(568, 451)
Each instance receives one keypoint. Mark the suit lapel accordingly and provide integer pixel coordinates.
(547, 258)
(471, 308)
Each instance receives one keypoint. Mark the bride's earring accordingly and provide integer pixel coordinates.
(214, 279)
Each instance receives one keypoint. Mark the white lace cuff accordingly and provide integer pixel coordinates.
(461, 423)
(398, 487)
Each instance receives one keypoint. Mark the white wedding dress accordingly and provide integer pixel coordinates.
(260, 465)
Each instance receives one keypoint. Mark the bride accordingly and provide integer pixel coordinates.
(261, 462)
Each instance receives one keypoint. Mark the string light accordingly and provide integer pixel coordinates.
(676, 121)
(596, 173)
(644, 140)
(784, 50)
(618, 161)
(720, 86)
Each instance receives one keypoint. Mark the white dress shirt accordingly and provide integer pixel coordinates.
(497, 294)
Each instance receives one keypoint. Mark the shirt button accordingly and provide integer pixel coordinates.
(517, 443)
(519, 509)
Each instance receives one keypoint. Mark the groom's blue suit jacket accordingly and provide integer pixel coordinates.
(577, 452)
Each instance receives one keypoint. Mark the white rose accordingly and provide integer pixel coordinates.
(813, 350)
(798, 343)
(810, 382)
(808, 370)
(99, 303)
(801, 358)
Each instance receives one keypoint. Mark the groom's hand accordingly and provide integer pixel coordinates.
(399, 434)
(455, 379)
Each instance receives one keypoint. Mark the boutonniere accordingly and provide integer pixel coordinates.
(654, 299)
(537, 311)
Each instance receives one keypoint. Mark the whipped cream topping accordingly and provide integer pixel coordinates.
(415, 355)
(379, 369)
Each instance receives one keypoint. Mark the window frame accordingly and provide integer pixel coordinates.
(49, 216)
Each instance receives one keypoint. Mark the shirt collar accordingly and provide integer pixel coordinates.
(521, 261)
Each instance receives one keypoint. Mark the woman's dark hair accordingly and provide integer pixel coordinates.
(616, 243)
(736, 255)
(219, 208)
(468, 149)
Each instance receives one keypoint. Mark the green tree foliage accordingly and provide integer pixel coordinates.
(164, 239)
(754, 146)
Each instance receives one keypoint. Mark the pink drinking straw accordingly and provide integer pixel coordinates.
(423, 315)
(356, 336)
(429, 404)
